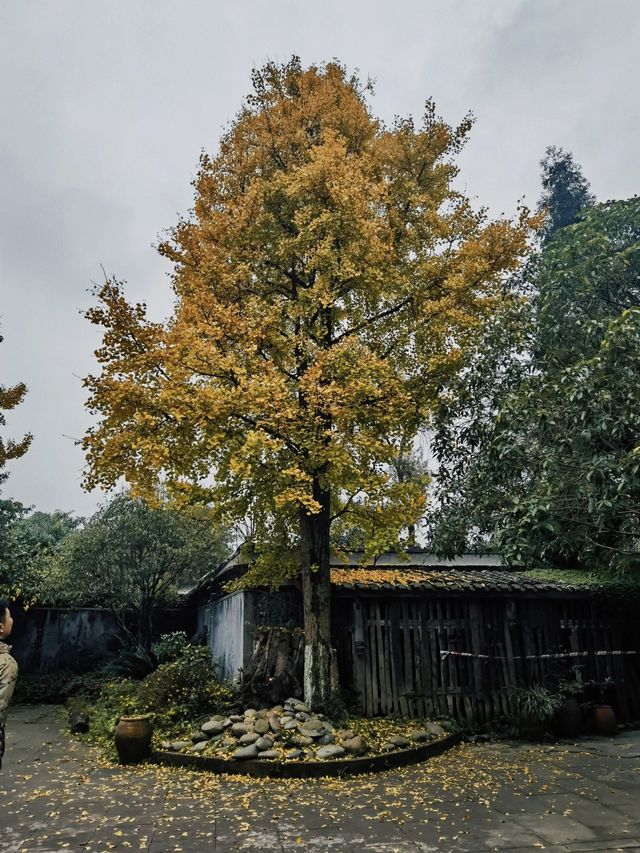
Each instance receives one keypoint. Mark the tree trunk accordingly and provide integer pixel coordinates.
(319, 686)
(274, 673)
(145, 626)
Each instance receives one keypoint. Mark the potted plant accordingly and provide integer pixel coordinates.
(536, 707)
(603, 718)
(568, 716)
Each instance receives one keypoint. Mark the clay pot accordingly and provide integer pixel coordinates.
(133, 738)
(568, 719)
(604, 720)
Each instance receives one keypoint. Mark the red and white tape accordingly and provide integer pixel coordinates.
(445, 654)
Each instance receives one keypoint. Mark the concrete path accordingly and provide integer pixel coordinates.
(58, 794)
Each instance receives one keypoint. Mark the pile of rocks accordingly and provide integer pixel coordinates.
(284, 732)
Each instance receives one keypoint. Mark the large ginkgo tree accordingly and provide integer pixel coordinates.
(327, 281)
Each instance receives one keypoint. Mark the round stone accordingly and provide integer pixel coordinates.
(212, 727)
(330, 751)
(263, 743)
(198, 737)
(293, 753)
(355, 745)
(250, 737)
(419, 736)
(239, 729)
(246, 752)
(326, 738)
(261, 726)
(269, 753)
(312, 733)
(274, 724)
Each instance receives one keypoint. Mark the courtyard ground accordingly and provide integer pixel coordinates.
(59, 794)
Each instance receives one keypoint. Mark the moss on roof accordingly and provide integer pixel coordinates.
(595, 581)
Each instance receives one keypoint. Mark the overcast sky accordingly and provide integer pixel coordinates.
(106, 104)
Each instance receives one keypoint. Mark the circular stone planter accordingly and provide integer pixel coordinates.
(308, 769)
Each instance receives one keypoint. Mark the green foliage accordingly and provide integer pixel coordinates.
(137, 662)
(546, 470)
(55, 688)
(170, 647)
(175, 694)
(119, 697)
(615, 584)
(131, 662)
(36, 539)
(133, 557)
(569, 688)
(185, 687)
(10, 564)
(565, 190)
(536, 705)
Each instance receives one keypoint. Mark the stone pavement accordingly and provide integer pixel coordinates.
(59, 794)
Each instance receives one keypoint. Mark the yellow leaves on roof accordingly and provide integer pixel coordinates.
(395, 577)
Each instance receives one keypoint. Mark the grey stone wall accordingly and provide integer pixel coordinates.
(48, 639)
(230, 623)
(228, 637)
(45, 640)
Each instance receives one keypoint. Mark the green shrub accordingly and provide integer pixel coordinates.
(170, 646)
(136, 662)
(535, 708)
(131, 662)
(186, 687)
(118, 697)
(54, 688)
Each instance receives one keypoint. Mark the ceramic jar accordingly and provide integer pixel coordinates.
(133, 738)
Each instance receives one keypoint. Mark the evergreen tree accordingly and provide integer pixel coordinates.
(565, 190)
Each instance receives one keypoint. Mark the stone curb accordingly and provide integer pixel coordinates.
(308, 769)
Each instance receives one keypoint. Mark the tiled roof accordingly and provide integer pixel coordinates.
(446, 580)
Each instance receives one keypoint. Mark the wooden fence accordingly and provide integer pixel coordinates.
(390, 652)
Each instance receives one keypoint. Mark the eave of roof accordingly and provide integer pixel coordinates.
(446, 580)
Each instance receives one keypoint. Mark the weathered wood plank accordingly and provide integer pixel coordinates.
(369, 655)
(359, 661)
(382, 687)
(397, 670)
(408, 657)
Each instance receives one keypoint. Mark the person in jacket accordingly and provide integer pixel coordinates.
(8, 669)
